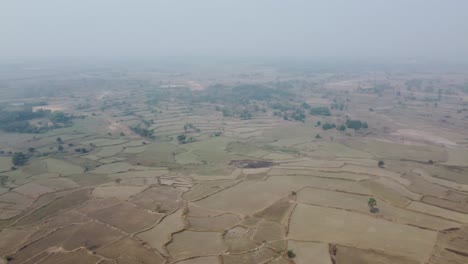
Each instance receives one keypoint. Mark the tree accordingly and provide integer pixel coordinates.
(291, 253)
(149, 133)
(328, 126)
(181, 138)
(341, 128)
(59, 140)
(59, 117)
(381, 163)
(318, 136)
(60, 148)
(19, 159)
(31, 149)
(371, 203)
(356, 124)
(246, 115)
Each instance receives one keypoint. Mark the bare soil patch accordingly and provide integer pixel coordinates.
(118, 216)
(251, 164)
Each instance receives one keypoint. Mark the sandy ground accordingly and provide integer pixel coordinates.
(412, 137)
(53, 108)
(102, 95)
(195, 86)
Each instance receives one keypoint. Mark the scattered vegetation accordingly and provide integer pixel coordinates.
(322, 111)
(144, 132)
(328, 126)
(381, 163)
(356, 124)
(372, 203)
(183, 139)
(290, 253)
(19, 159)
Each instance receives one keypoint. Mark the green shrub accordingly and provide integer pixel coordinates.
(291, 253)
(321, 110)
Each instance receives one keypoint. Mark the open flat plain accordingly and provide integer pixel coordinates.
(268, 167)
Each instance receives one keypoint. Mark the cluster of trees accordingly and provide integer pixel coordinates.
(352, 124)
(338, 106)
(290, 112)
(183, 139)
(327, 126)
(189, 127)
(242, 94)
(378, 88)
(321, 110)
(242, 100)
(144, 132)
(246, 115)
(298, 115)
(356, 124)
(413, 84)
(81, 150)
(19, 158)
(232, 112)
(464, 88)
(60, 117)
(18, 120)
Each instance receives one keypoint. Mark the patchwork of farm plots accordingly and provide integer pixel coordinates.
(247, 194)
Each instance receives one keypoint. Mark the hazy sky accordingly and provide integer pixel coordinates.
(279, 28)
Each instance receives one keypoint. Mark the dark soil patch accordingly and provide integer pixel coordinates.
(251, 164)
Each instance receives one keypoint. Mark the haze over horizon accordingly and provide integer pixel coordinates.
(298, 29)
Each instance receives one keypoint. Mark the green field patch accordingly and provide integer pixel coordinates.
(135, 143)
(160, 235)
(212, 150)
(249, 149)
(103, 142)
(206, 188)
(144, 172)
(287, 150)
(291, 142)
(62, 203)
(111, 160)
(215, 223)
(91, 157)
(90, 125)
(187, 244)
(343, 227)
(109, 151)
(5, 164)
(341, 151)
(399, 151)
(187, 158)
(288, 132)
(358, 203)
(62, 167)
(117, 167)
(89, 179)
(278, 156)
(157, 154)
(135, 150)
(457, 157)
